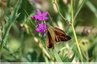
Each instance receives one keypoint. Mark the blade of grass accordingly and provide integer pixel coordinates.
(78, 10)
(75, 33)
(50, 21)
(29, 17)
(92, 7)
(11, 20)
(57, 56)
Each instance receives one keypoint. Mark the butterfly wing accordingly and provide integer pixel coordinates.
(49, 42)
(60, 35)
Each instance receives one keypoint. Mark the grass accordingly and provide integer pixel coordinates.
(9, 21)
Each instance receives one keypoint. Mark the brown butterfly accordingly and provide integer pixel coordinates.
(55, 35)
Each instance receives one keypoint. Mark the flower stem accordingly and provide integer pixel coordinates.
(75, 33)
(55, 2)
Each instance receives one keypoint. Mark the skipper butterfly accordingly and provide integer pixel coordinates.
(55, 35)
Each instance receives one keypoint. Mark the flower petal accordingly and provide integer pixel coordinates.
(32, 16)
(36, 16)
(40, 25)
(45, 17)
(45, 25)
(40, 19)
(38, 12)
(37, 29)
(42, 32)
(44, 13)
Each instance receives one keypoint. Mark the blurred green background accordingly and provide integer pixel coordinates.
(20, 40)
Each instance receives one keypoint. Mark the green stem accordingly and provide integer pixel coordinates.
(76, 40)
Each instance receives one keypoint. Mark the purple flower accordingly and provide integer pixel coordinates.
(40, 15)
(42, 28)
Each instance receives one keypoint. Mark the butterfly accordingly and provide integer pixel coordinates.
(55, 35)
